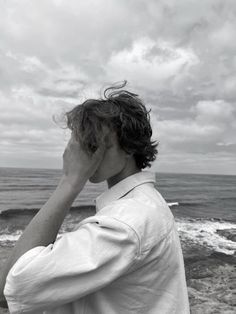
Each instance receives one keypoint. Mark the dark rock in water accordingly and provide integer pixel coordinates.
(198, 285)
(199, 267)
(229, 259)
(227, 298)
(211, 283)
(229, 234)
(199, 273)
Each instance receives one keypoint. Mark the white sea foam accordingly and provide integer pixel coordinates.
(204, 232)
(7, 238)
(173, 204)
(12, 237)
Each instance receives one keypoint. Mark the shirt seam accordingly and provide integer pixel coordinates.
(135, 232)
(170, 229)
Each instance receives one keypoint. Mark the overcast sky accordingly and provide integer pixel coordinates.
(178, 55)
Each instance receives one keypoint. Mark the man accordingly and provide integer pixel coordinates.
(127, 257)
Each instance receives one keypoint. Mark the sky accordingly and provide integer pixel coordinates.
(178, 56)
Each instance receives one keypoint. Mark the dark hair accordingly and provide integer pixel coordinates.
(121, 111)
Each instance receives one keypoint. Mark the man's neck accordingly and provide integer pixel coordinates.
(126, 172)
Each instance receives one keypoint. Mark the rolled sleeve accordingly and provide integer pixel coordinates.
(77, 264)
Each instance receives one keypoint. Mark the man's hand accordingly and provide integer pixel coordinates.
(78, 165)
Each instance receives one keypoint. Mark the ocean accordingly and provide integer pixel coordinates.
(204, 206)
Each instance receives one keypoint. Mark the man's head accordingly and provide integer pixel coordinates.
(124, 120)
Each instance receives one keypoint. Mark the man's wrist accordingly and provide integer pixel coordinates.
(71, 186)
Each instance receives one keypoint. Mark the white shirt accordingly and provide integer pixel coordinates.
(125, 259)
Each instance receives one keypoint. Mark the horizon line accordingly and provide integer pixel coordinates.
(162, 172)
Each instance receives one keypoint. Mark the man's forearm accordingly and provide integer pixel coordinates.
(44, 227)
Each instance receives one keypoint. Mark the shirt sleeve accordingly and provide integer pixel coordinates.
(77, 264)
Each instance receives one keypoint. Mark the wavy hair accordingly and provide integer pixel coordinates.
(121, 111)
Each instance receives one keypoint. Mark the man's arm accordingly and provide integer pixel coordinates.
(43, 228)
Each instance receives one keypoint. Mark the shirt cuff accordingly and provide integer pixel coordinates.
(13, 289)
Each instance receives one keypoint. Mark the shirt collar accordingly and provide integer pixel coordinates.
(123, 187)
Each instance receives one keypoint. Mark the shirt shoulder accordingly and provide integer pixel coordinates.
(145, 211)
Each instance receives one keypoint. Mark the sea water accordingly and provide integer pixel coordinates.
(201, 204)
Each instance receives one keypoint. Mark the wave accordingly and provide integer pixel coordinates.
(29, 188)
(192, 204)
(5, 213)
(33, 211)
(210, 234)
(173, 204)
(207, 233)
(9, 239)
(18, 211)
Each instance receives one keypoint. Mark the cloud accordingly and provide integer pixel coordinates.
(108, 43)
(212, 124)
(215, 112)
(201, 143)
(179, 56)
(29, 136)
(157, 65)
